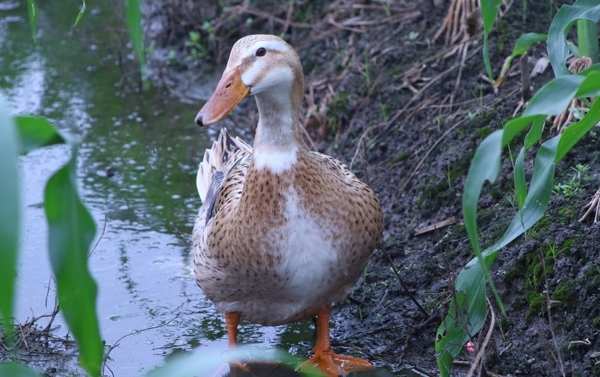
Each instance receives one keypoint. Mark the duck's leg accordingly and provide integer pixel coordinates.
(324, 358)
(232, 320)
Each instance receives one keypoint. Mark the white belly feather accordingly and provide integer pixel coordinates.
(308, 266)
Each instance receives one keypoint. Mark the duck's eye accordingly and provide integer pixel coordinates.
(261, 51)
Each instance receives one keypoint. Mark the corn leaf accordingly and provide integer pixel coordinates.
(489, 11)
(15, 370)
(522, 45)
(567, 15)
(36, 132)
(32, 8)
(81, 12)
(134, 23)
(520, 181)
(71, 231)
(11, 214)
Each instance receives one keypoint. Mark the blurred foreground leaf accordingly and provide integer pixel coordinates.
(36, 132)
(81, 12)
(14, 370)
(202, 362)
(10, 219)
(32, 8)
(71, 231)
(134, 23)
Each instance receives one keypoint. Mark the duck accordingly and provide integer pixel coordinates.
(283, 232)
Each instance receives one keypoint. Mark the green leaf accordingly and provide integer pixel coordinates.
(520, 183)
(15, 370)
(451, 335)
(71, 231)
(36, 132)
(554, 97)
(576, 131)
(484, 167)
(589, 87)
(489, 12)
(587, 38)
(566, 16)
(522, 45)
(11, 213)
(134, 23)
(33, 12)
(535, 133)
(525, 41)
(81, 12)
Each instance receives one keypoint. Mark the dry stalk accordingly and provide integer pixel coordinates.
(593, 206)
(426, 86)
(457, 21)
(564, 119)
(479, 358)
(549, 303)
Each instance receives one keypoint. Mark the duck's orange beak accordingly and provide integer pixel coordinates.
(230, 91)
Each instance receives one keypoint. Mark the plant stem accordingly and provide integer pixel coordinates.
(587, 37)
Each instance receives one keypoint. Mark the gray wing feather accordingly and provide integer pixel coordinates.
(211, 194)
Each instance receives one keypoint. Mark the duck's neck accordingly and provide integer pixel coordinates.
(278, 135)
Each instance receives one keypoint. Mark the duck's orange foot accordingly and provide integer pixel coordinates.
(335, 365)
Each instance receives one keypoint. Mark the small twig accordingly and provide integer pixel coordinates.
(381, 301)
(465, 49)
(525, 78)
(438, 225)
(558, 356)
(288, 18)
(403, 186)
(24, 337)
(101, 235)
(134, 332)
(50, 279)
(592, 206)
(485, 342)
(404, 286)
(52, 316)
(426, 86)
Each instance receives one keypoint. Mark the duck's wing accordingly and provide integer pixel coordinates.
(228, 156)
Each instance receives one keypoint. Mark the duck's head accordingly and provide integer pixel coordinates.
(261, 65)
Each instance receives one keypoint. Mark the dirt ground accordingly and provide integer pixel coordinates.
(406, 111)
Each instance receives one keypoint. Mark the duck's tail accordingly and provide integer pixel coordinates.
(217, 161)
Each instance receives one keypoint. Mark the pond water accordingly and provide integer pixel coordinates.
(144, 212)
